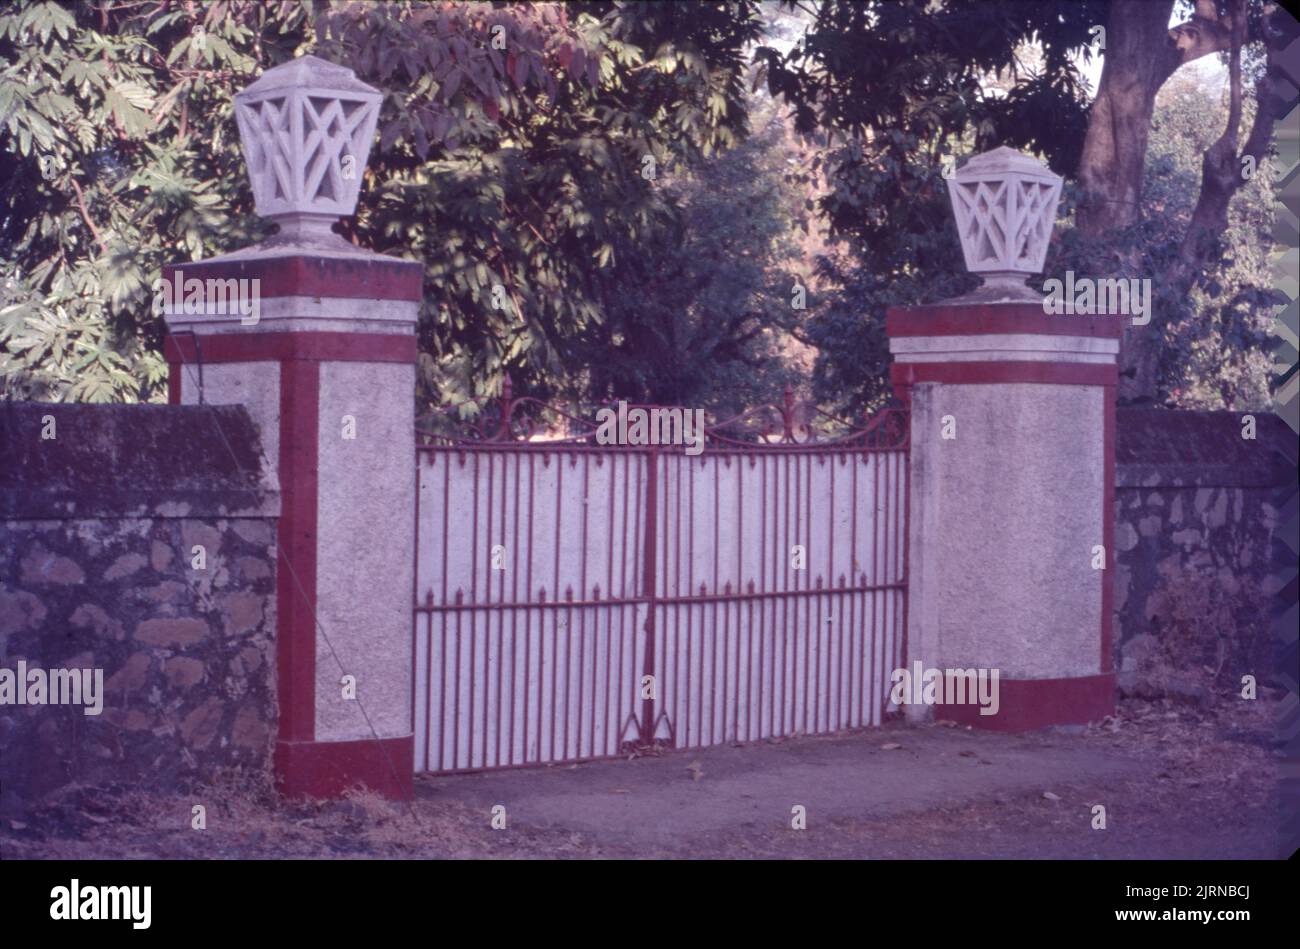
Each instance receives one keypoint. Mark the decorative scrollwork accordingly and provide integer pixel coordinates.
(791, 424)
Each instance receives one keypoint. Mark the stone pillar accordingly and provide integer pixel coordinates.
(1007, 513)
(328, 374)
(1010, 557)
(317, 338)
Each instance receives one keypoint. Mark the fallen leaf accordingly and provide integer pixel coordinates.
(1050, 796)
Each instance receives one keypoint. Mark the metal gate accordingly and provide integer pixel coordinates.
(575, 599)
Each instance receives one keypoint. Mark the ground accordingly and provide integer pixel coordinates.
(1176, 780)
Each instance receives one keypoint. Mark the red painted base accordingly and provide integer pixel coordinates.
(328, 768)
(1027, 704)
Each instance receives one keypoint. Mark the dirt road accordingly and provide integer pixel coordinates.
(1175, 781)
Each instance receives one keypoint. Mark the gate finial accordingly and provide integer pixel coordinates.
(306, 127)
(1005, 205)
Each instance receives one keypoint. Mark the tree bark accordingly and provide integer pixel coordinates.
(1141, 53)
(1137, 62)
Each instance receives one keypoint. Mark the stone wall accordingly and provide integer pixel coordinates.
(1199, 560)
(140, 541)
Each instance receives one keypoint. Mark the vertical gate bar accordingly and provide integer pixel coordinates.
(890, 568)
(813, 605)
(762, 587)
(731, 686)
(800, 530)
(446, 599)
(820, 628)
(442, 695)
(784, 554)
(681, 660)
(528, 617)
(750, 678)
(455, 709)
(609, 592)
(501, 614)
(622, 611)
(877, 522)
(802, 583)
(568, 675)
(765, 586)
(473, 615)
(712, 626)
(668, 655)
(648, 585)
(904, 486)
(514, 621)
(582, 613)
(841, 720)
(690, 590)
(717, 590)
(487, 616)
(854, 462)
(740, 590)
(555, 594)
(839, 599)
(583, 596)
(555, 661)
(638, 568)
(689, 717)
(897, 572)
(415, 601)
(428, 680)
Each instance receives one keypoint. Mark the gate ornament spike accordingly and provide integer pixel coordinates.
(307, 126)
(1005, 205)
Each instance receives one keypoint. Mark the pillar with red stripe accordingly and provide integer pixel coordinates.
(316, 337)
(1011, 501)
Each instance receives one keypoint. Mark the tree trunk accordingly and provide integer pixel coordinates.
(1141, 53)
(1115, 146)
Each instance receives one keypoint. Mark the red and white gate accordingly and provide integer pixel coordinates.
(576, 598)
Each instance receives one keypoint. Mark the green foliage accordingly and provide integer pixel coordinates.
(1217, 342)
(901, 88)
(516, 167)
(117, 157)
(1214, 341)
(898, 90)
(701, 315)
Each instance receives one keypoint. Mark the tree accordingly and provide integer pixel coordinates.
(701, 315)
(904, 85)
(1142, 53)
(511, 143)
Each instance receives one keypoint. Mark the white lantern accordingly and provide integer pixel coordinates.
(1005, 205)
(306, 127)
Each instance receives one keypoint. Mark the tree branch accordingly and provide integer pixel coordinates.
(85, 216)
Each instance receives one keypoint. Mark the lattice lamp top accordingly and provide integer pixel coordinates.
(306, 127)
(1005, 205)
